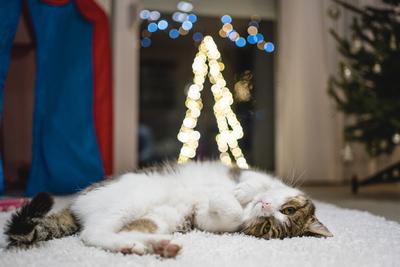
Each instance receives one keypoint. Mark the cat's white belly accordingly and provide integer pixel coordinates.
(136, 196)
(167, 198)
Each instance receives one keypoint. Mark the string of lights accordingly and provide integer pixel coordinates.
(254, 37)
(182, 18)
(183, 21)
(230, 130)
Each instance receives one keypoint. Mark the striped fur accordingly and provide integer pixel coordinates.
(301, 223)
(30, 224)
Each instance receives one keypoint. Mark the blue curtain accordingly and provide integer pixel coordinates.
(66, 156)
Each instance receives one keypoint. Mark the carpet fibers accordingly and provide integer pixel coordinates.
(360, 239)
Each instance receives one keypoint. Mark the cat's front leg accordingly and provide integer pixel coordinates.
(245, 191)
(218, 212)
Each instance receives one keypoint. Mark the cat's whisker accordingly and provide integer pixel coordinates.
(300, 181)
(293, 171)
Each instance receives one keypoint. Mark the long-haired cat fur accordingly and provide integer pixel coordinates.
(138, 212)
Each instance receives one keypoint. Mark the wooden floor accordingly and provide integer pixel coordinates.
(383, 200)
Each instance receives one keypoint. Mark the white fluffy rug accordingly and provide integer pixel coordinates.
(360, 239)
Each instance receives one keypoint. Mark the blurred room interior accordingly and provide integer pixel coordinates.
(277, 58)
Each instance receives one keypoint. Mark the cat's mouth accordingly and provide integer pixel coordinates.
(263, 209)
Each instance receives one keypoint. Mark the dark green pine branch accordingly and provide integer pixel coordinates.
(368, 85)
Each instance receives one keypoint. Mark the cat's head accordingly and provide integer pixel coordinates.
(282, 212)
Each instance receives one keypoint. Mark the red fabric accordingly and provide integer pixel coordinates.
(10, 204)
(103, 109)
(56, 2)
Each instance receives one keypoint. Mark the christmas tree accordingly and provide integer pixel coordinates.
(368, 86)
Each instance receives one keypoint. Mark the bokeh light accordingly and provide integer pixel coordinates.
(182, 31)
(252, 39)
(184, 6)
(197, 36)
(240, 42)
(173, 34)
(233, 35)
(269, 47)
(260, 37)
(256, 18)
(192, 18)
(260, 45)
(252, 30)
(154, 15)
(222, 33)
(226, 19)
(145, 42)
(187, 25)
(254, 23)
(230, 130)
(227, 27)
(152, 27)
(179, 17)
(162, 24)
(144, 14)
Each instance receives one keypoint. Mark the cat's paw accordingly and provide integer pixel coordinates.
(244, 192)
(136, 248)
(166, 248)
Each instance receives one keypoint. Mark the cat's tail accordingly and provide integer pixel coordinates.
(30, 224)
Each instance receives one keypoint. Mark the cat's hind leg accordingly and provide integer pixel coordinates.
(141, 236)
(108, 238)
(150, 233)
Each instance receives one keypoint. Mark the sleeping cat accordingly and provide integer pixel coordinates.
(138, 212)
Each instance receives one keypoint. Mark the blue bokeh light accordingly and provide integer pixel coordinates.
(154, 15)
(254, 23)
(187, 25)
(197, 36)
(252, 39)
(185, 6)
(179, 16)
(162, 24)
(226, 19)
(173, 34)
(232, 34)
(144, 14)
(269, 47)
(240, 42)
(192, 18)
(152, 27)
(146, 42)
(260, 37)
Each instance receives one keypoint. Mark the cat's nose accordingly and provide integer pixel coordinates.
(265, 205)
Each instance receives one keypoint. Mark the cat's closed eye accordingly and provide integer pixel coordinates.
(288, 210)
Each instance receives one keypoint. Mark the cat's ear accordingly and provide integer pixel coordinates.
(316, 228)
